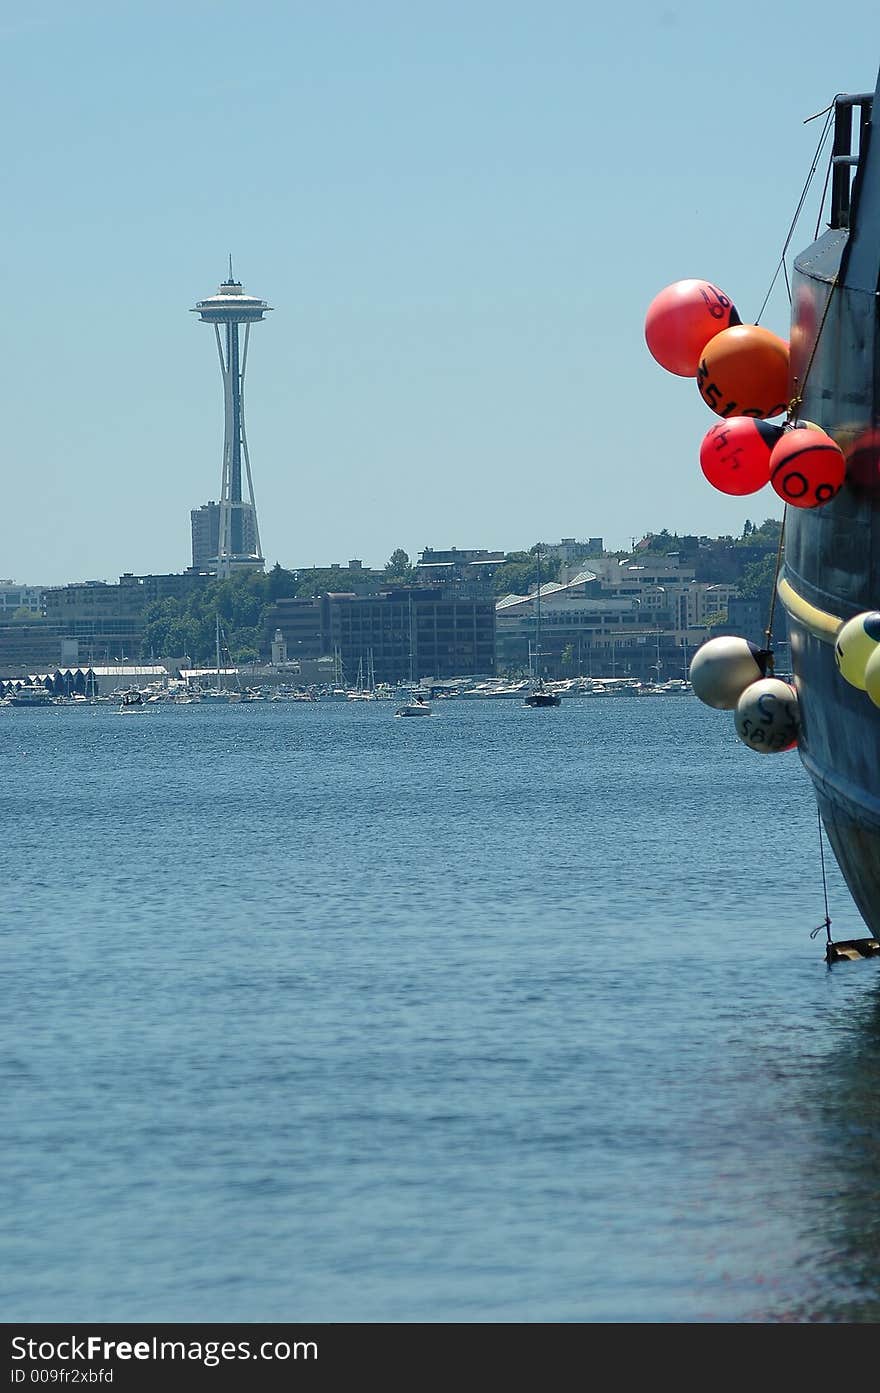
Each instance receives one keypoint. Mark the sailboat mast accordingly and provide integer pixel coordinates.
(218, 650)
(538, 622)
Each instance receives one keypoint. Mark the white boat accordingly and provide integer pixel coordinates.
(30, 696)
(417, 707)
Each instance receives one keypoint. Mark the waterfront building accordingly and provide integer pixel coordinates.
(26, 646)
(205, 530)
(616, 618)
(411, 633)
(15, 597)
(299, 622)
(238, 533)
(86, 681)
(584, 630)
(107, 621)
(353, 576)
(473, 566)
(573, 553)
(399, 635)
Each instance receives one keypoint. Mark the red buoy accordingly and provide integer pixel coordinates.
(807, 468)
(682, 319)
(863, 461)
(804, 332)
(735, 454)
(743, 371)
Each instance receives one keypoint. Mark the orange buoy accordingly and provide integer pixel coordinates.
(743, 371)
(735, 454)
(682, 319)
(807, 468)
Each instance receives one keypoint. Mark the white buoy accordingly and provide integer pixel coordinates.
(723, 668)
(856, 641)
(767, 717)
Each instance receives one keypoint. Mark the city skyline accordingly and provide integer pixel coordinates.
(462, 217)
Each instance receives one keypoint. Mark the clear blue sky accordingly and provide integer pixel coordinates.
(460, 212)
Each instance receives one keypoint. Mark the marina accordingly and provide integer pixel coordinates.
(181, 692)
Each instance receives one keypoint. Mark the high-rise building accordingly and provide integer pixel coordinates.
(238, 533)
(205, 522)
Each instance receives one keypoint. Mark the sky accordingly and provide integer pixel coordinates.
(459, 212)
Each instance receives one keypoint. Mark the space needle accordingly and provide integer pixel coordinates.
(239, 535)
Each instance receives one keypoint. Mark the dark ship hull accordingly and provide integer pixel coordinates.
(831, 569)
(542, 699)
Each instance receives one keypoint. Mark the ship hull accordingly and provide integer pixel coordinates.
(832, 553)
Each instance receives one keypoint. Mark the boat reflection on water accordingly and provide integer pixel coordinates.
(839, 1188)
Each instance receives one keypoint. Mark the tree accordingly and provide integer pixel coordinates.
(398, 569)
(767, 535)
(282, 584)
(397, 563)
(769, 532)
(519, 572)
(757, 580)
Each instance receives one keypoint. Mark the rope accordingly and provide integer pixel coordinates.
(826, 922)
(797, 399)
(768, 632)
(829, 116)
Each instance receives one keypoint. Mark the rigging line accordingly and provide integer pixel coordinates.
(781, 264)
(826, 922)
(768, 632)
(822, 200)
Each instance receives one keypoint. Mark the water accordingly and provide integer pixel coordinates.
(317, 1015)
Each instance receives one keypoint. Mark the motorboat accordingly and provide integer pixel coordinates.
(419, 706)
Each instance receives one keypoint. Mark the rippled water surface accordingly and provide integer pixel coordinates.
(506, 1015)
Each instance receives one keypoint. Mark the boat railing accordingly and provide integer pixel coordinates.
(845, 155)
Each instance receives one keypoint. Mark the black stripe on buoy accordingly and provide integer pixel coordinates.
(806, 450)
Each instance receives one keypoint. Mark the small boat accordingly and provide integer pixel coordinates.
(132, 701)
(417, 707)
(30, 696)
(542, 696)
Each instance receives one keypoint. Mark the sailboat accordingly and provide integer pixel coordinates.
(218, 692)
(419, 704)
(540, 695)
(363, 687)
